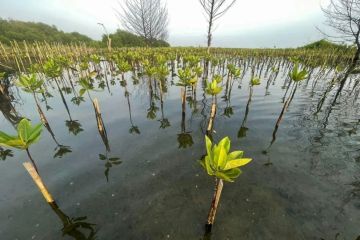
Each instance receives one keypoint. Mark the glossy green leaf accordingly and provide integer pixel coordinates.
(237, 163)
(235, 154)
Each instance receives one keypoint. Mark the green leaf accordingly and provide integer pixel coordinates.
(208, 166)
(208, 144)
(223, 176)
(233, 173)
(4, 137)
(237, 163)
(24, 129)
(16, 143)
(235, 154)
(225, 142)
(35, 133)
(221, 162)
(82, 92)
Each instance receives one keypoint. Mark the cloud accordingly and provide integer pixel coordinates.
(255, 23)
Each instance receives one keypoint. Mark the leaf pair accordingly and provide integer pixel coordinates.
(220, 162)
(213, 88)
(52, 69)
(86, 85)
(298, 75)
(187, 77)
(30, 84)
(27, 135)
(255, 81)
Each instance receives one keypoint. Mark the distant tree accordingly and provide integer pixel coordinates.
(325, 45)
(344, 17)
(126, 39)
(145, 18)
(214, 9)
(30, 31)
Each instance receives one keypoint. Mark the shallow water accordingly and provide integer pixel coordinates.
(305, 186)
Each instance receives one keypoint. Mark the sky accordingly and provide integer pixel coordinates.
(249, 23)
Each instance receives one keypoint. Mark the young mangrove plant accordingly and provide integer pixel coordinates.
(31, 84)
(26, 136)
(213, 89)
(296, 76)
(233, 73)
(187, 79)
(255, 81)
(224, 165)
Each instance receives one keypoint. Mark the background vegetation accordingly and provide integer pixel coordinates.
(11, 30)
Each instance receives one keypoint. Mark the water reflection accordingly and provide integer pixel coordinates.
(6, 105)
(109, 161)
(76, 228)
(5, 153)
(312, 107)
(184, 138)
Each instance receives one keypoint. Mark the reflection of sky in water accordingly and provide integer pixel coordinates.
(305, 187)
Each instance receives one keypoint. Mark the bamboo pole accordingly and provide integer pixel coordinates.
(38, 181)
(214, 205)
(98, 115)
(212, 117)
(218, 182)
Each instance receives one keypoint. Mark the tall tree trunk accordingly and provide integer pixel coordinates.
(209, 36)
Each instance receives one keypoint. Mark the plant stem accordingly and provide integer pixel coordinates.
(32, 160)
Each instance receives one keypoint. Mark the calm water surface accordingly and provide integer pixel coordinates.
(306, 185)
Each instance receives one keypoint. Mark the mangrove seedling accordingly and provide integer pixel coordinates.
(224, 166)
(296, 76)
(213, 89)
(26, 136)
(255, 81)
(30, 84)
(187, 79)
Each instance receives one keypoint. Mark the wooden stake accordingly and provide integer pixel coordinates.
(38, 181)
(212, 117)
(214, 205)
(98, 115)
(183, 98)
(218, 182)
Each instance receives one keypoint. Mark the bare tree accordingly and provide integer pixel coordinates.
(214, 9)
(343, 16)
(146, 18)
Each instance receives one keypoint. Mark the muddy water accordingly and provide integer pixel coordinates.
(303, 182)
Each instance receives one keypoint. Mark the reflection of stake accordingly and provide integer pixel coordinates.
(71, 225)
(100, 124)
(38, 181)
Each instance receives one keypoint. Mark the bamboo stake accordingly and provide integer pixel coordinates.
(218, 182)
(38, 181)
(183, 98)
(214, 204)
(212, 117)
(98, 115)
